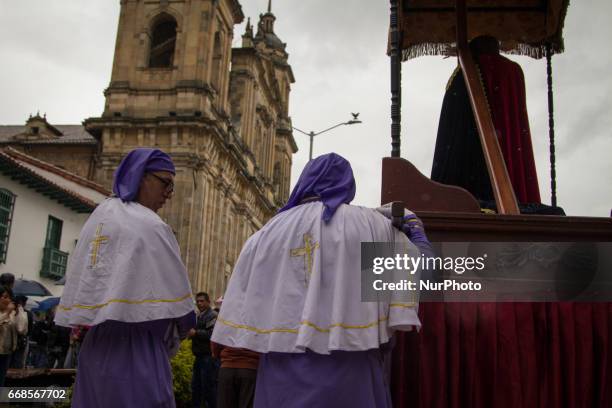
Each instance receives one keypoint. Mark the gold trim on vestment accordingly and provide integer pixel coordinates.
(314, 326)
(405, 305)
(255, 329)
(98, 240)
(129, 302)
(307, 251)
(344, 326)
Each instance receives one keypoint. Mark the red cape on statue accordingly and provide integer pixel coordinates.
(458, 158)
(505, 87)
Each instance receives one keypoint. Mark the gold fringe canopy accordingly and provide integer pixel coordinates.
(523, 27)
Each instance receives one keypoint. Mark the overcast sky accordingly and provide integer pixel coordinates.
(57, 57)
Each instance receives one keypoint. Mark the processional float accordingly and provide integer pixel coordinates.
(491, 354)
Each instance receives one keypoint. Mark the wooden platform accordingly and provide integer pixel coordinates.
(452, 214)
(23, 373)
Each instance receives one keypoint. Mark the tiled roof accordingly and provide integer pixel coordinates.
(73, 191)
(71, 134)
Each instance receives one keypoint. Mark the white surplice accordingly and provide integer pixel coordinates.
(126, 267)
(296, 285)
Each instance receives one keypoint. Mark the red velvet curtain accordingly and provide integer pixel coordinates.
(506, 355)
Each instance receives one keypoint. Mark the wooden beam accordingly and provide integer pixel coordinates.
(57, 195)
(500, 180)
(9, 172)
(463, 227)
(44, 190)
(20, 177)
(396, 79)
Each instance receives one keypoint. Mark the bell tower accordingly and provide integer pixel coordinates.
(169, 89)
(172, 59)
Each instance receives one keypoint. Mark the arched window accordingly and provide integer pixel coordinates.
(7, 202)
(163, 43)
(216, 65)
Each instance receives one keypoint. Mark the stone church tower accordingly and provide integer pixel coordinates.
(228, 132)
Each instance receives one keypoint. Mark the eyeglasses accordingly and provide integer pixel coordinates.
(168, 184)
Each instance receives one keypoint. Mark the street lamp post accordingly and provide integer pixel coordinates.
(312, 134)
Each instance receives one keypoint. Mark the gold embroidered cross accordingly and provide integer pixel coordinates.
(95, 245)
(307, 252)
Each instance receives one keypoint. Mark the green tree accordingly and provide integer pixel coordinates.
(182, 368)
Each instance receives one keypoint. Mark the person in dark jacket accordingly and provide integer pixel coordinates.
(58, 341)
(203, 383)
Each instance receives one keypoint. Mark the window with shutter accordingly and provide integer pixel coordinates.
(7, 202)
(54, 261)
(54, 233)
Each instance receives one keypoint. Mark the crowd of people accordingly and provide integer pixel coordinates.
(31, 339)
(13, 326)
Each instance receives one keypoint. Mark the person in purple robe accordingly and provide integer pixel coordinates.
(295, 297)
(126, 280)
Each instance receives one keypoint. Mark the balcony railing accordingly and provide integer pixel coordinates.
(54, 263)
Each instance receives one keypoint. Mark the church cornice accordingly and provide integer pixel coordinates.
(199, 87)
(131, 121)
(242, 73)
(237, 12)
(239, 51)
(284, 131)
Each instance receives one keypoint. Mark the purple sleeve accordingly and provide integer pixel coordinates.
(415, 231)
(186, 323)
(424, 246)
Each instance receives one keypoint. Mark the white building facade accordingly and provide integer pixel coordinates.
(42, 211)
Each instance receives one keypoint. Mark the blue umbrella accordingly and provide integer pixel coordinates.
(47, 304)
(30, 288)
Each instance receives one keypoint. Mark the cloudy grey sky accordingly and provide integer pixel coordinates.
(57, 57)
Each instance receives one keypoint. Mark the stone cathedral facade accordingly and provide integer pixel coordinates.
(220, 112)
